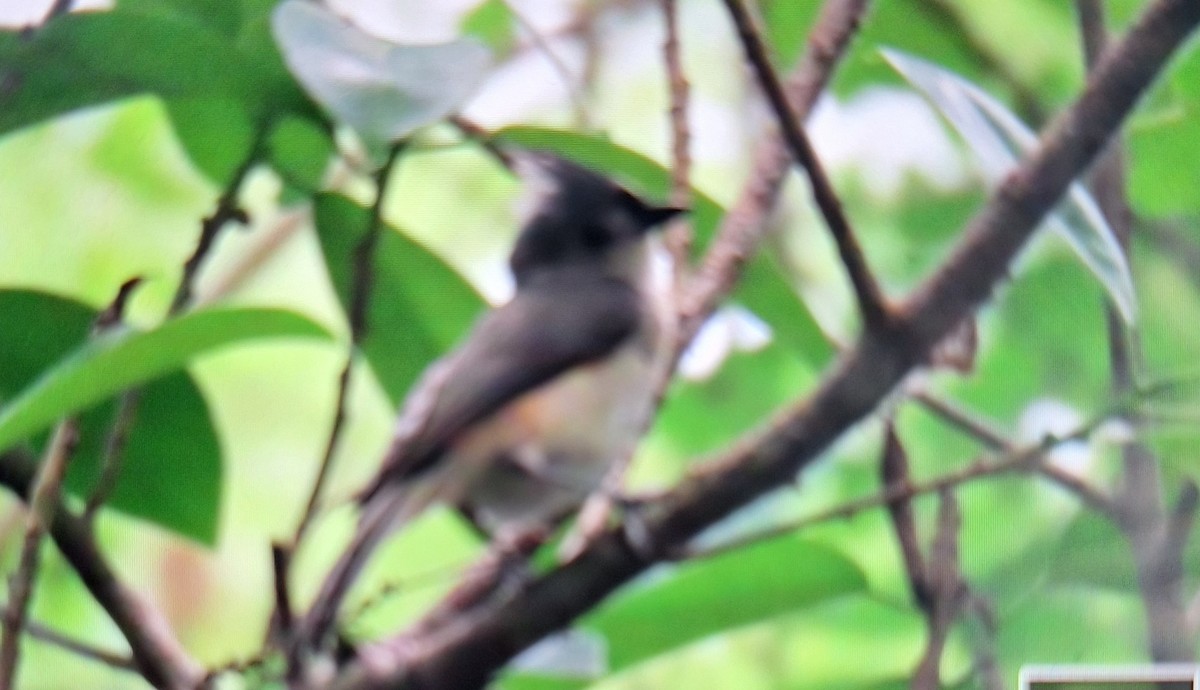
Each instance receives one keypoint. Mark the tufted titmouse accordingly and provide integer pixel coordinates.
(523, 420)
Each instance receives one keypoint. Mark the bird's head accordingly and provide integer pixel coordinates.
(576, 216)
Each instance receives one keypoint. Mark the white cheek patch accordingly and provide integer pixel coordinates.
(540, 184)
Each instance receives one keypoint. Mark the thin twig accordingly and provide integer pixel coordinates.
(894, 472)
(114, 452)
(363, 277)
(159, 656)
(596, 511)
(947, 591)
(114, 314)
(1141, 513)
(227, 211)
(118, 434)
(540, 42)
(360, 297)
(950, 14)
(963, 420)
(282, 229)
(987, 671)
(744, 225)
(983, 431)
(1015, 460)
(871, 301)
(58, 9)
(81, 649)
(284, 617)
(679, 236)
(1182, 518)
(42, 500)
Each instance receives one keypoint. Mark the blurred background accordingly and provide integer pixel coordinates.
(94, 196)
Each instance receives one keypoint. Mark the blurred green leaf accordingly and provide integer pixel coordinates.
(89, 58)
(223, 16)
(492, 22)
(115, 361)
(1164, 162)
(170, 471)
(217, 134)
(1093, 553)
(419, 306)
(719, 594)
(171, 467)
(999, 139)
(701, 416)
(40, 329)
(763, 288)
(383, 90)
(300, 151)
(1040, 345)
(913, 25)
(173, 50)
(788, 24)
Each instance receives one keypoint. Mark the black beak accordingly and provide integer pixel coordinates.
(654, 216)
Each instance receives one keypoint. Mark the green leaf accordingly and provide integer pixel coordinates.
(300, 151)
(220, 15)
(116, 361)
(763, 288)
(701, 416)
(89, 58)
(1164, 162)
(383, 90)
(999, 138)
(788, 25)
(171, 467)
(216, 133)
(170, 470)
(419, 306)
(1093, 552)
(491, 22)
(175, 50)
(715, 595)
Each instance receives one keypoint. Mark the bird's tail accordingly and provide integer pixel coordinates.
(383, 511)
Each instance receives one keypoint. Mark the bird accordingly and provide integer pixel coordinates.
(521, 422)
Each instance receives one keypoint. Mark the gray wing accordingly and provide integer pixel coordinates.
(551, 325)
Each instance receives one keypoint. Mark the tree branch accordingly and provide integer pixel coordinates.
(1012, 460)
(949, 14)
(894, 474)
(58, 9)
(363, 280)
(743, 225)
(1142, 515)
(227, 211)
(118, 433)
(947, 592)
(42, 501)
(52, 637)
(871, 301)
(679, 237)
(159, 656)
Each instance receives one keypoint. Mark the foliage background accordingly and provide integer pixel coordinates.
(94, 196)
